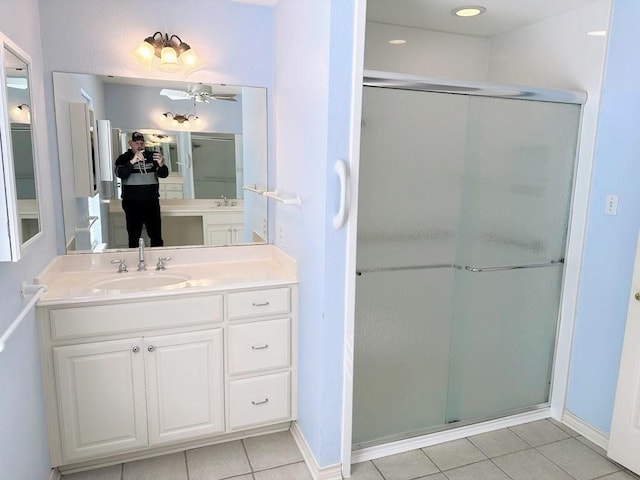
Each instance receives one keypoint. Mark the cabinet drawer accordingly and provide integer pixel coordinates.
(259, 302)
(175, 187)
(259, 346)
(130, 317)
(259, 400)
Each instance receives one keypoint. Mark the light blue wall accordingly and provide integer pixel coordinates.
(23, 445)
(610, 240)
(301, 100)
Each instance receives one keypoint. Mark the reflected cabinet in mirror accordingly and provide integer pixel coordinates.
(18, 154)
(211, 138)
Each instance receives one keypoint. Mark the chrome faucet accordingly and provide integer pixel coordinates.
(141, 265)
(225, 201)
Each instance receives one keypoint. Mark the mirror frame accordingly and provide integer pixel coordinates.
(11, 248)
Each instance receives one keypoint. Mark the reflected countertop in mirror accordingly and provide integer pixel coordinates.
(211, 159)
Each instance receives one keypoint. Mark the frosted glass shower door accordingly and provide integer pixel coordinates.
(463, 214)
(412, 155)
(518, 182)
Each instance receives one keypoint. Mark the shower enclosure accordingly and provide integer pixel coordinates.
(464, 202)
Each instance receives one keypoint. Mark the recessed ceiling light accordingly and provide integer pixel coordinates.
(598, 33)
(469, 11)
(397, 42)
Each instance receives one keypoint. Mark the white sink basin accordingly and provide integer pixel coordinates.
(139, 281)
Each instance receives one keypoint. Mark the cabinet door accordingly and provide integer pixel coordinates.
(101, 398)
(219, 235)
(184, 385)
(237, 234)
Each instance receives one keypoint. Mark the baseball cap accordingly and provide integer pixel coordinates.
(137, 136)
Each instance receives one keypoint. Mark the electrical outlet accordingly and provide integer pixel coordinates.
(611, 205)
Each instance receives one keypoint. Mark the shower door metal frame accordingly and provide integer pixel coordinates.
(564, 330)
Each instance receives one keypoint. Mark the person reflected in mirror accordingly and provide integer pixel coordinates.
(139, 170)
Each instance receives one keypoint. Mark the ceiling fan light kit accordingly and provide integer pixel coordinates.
(172, 53)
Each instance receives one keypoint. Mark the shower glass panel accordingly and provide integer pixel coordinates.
(463, 215)
(518, 180)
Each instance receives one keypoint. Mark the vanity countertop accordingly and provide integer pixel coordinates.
(185, 207)
(93, 278)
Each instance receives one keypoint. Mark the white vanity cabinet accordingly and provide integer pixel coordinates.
(135, 377)
(125, 394)
(223, 228)
(260, 361)
(101, 396)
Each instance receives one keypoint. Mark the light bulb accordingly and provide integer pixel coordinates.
(169, 60)
(144, 53)
(189, 59)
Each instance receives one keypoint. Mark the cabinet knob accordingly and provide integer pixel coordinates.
(637, 296)
(135, 349)
(150, 348)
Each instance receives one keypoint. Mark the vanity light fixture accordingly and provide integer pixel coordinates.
(468, 11)
(397, 41)
(172, 53)
(597, 33)
(179, 119)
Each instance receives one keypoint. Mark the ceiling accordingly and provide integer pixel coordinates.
(501, 15)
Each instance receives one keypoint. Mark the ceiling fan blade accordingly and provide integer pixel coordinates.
(228, 97)
(175, 94)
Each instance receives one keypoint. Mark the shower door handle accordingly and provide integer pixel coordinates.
(341, 217)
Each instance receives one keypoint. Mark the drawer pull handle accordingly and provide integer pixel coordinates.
(266, 400)
(259, 347)
(263, 304)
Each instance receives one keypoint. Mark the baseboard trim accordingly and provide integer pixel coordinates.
(55, 474)
(414, 443)
(332, 472)
(587, 431)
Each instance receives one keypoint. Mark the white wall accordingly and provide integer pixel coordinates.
(426, 53)
(23, 448)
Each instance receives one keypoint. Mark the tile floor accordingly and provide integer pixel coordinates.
(541, 450)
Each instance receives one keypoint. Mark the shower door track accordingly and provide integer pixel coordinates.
(374, 78)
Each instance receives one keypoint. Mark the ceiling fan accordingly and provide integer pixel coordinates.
(199, 93)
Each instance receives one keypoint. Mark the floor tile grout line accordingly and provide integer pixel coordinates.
(186, 465)
(499, 468)
(551, 460)
(246, 454)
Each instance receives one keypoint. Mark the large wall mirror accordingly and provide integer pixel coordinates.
(213, 138)
(18, 152)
